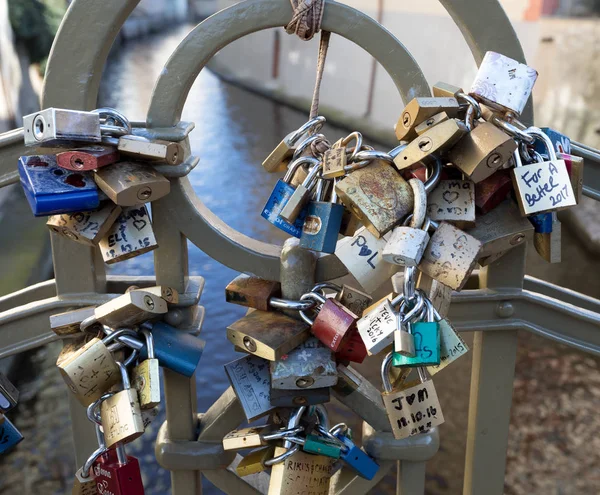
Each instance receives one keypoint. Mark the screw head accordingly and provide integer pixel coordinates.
(430, 121)
(250, 344)
(149, 302)
(505, 309)
(71, 235)
(299, 401)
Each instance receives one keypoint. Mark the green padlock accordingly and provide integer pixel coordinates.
(427, 342)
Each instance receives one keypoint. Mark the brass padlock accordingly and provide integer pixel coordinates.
(436, 140)
(377, 195)
(129, 183)
(453, 201)
(121, 414)
(86, 227)
(170, 295)
(268, 334)
(482, 151)
(548, 244)
(444, 90)
(146, 376)
(301, 471)
(254, 462)
(450, 256)
(156, 150)
(575, 168)
(301, 195)
(334, 163)
(130, 309)
(251, 291)
(68, 323)
(131, 235)
(424, 126)
(419, 110)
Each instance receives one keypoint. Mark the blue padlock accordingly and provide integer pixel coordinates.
(175, 349)
(51, 190)
(280, 196)
(542, 222)
(9, 435)
(356, 459)
(562, 143)
(322, 225)
(427, 342)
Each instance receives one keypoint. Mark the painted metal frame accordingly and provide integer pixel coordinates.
(504, 302)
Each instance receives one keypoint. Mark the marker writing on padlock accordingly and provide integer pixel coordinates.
(543, 180)
(362, 243)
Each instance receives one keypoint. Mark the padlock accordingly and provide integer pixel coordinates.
(548, 243)
(121, 414)
(170, 295)
(60, 127)
(130, 309)
(501, 229)
(85, 481)
(322, 225)
(88, 158)
(451, 256)
(411, 410)
(285, 149)
(175, 349)
(355, 458)
(85, 227)
(377, 327)
(453, 201)
(444, 90)
(118, 474)
(426, 340)
(333, 322)
(299, 397)
(282, 192)
(255, 436)
(503, 84)
(419, 110)
(361, 254)
(544, 186)
(353, 299)
(130, 183)
(452, 346)
(405, 344)
(560, 142)
(9, 395)
(334, 163)
(146, 376)
(253, 292)
(575, 169)
(144, 149)
(490, 192)
(267, 334)
(51, 190)
(310, 365)
(251, 381)
(350, 224)
(131, 235)
(378, 196)
(254, 462)
(354, 349)
(90, 370)
(318, 445)
(9, 435)
(439, 294)
(296, 204)
(436, 119)
(300, 471)
(482, 151)
(435, 141)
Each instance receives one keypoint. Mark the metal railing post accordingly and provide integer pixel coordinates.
(494, 356)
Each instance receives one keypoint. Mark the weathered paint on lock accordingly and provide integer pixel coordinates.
(377, 195)
(9, 435)
(406, 246)
(490, 192)
(362, 256)
(450, 256)
(130, 236)
(310, 365)
(51, 190)
(353, 299)
(88, 158)
(267, 334)
(85, 227)
(251, 291)
(67, 323)
(333, 324)
(419, 110)
(118, 479)
(427, 346)
(377, 327)
(272, 210)
(59, 127)
(503, 83)
(353, 349)
(251, 381)
(311, 473)
(322, 226)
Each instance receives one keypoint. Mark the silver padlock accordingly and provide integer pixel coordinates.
(503, 83)
(58, 126)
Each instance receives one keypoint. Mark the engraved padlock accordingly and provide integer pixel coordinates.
(452, 346)
(85, 227)
(502, 83)
(146, 375)
(411, 410)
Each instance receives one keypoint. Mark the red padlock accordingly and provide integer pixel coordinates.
(118, 474)
(421, 174)
(89, 158)
(353, 350)
(490, 192)
(333, 324)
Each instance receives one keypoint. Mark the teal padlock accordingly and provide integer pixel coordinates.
(314, 444)
(427, 342)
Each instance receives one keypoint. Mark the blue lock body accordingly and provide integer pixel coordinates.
(542, 222)
(51, 190)
(427, 342)
(175, 349)
(9, 435)
(322, 226)
(562, 143)
(356, 459)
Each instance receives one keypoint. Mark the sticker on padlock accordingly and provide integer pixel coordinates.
(131, 235)
(502, 83)
(85, 227)
(412, 410)
(60, 127)
(52, 190)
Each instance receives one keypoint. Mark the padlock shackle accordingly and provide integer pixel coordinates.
(537, 133)
(92, 410)
(326, 285)
(386, 366)
(295, 164)
(314, 125)
(315, 297)
(124, 375)
(435, 176)
(87, 466)
(280, 458)
(279, 303)
(322, 415)
(149, 342)
(313, 175)
(279, 434)
(306, 143)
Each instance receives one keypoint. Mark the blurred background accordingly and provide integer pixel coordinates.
(256, 91)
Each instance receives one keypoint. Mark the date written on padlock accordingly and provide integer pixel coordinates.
(251, 382)
(86, 227)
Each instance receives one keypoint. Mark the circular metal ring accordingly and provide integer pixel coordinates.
(280, 458)
(313, 125)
